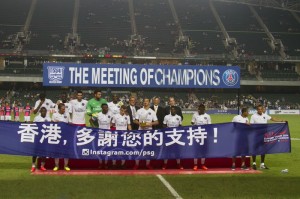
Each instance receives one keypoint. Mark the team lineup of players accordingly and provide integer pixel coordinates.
(116, 116)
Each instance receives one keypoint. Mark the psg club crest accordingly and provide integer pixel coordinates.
(230, 77)
(55, 74)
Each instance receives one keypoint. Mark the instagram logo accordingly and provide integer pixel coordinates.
(85, 152)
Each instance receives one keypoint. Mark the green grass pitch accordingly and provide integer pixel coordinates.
(16, 181)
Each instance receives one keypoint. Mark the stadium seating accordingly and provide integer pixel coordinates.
(6, 34)
(195, 15)
(198, 22)
(242, 25)
(252, 43)
(237, 17)
(283, 26)
(34, 69)
(245, 75)
(104, 24)
(13, 14)
(291, 42)
(51, 22)
(279, 75)
(206, 42)
(14, 69)
(278, 20)
(155, 23)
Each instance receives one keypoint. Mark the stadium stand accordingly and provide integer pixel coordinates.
(7, 34)
(246, 75)
(14, 12)
(104, 24)
(156, 25)
(199, 24)
(247, 43)
(12, 17)
(244, 22)
(51, 22)
(291, 42)
(283, 72)
(283, 26)
(244, 28)
(205, 42)
(278, 20)
(195, 15)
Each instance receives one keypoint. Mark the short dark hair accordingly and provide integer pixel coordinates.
(79, 92)
(244, 109)
(103, 105)
(42, 96)
(42, 108)
(132, 97)
(259, 106)
(201, 106)
(97, 91)
(60, 105)
(172, 97)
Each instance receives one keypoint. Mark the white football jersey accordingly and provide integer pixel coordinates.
(57, 117)
(39, 118)
(48, 104)
(114, 108)
(201, 119)
(68, 107)
(145, 115)
(104, 120)
(121, 121)
(172, 121)
(260, 119)
(78, 110)
(240, 119)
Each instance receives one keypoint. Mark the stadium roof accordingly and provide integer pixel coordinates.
(279, 4)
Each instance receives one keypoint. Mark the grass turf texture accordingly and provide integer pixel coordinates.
(16, 181)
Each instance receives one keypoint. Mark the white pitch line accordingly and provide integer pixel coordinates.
(295, 139)
(169, 187)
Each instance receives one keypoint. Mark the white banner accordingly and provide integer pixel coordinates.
(286, 112)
